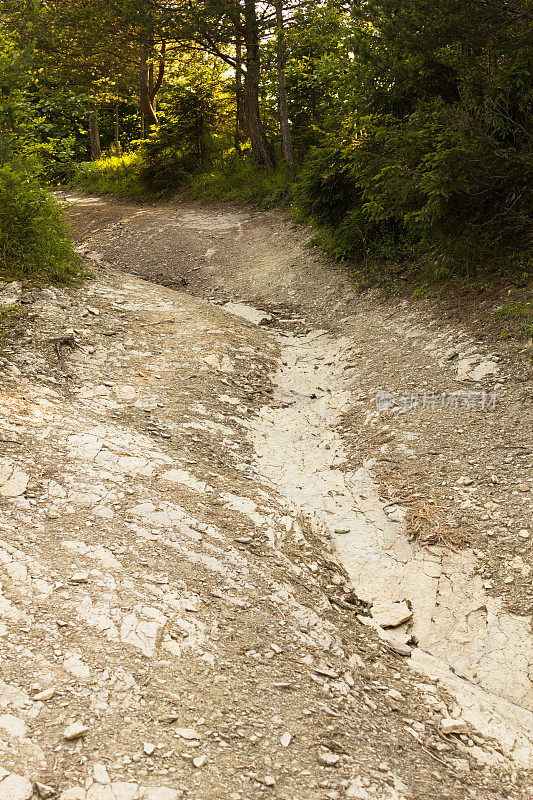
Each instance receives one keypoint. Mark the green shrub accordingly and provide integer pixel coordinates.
(184, 139)
(327, 190)
(33, 236)
(444, 184)
(426, 154)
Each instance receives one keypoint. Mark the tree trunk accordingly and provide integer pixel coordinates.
(238, 92)
(203, 142)
(151, 82)
(96, 150)
(117, 142)
(262, 149)
(282, 86)
(155, 87)
(147, 109)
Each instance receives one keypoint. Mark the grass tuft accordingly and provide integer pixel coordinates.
(518, 317)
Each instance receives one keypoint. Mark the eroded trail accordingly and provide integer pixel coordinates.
(191, 546)
(460, 631)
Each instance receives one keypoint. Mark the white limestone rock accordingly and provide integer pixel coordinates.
(15, 787)
(391, 614)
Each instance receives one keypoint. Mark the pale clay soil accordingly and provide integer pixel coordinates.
(226, 573)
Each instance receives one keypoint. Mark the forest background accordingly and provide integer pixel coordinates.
(400, 130)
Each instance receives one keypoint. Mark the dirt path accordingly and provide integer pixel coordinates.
(225, 573)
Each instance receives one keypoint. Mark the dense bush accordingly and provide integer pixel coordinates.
(440, 166)
(33, 241)
(183, 140)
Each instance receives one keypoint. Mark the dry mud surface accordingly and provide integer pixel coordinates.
(226, 572)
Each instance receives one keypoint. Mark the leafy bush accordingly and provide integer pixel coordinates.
(33, 236)
(33, 240)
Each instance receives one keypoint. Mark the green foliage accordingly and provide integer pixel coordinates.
(33, 237)
(15, 116)
(112, 175)
(192, 126)
(33, 241)
(59, 130)
(183, 140)
(238, 179)
(318, 62)
(433, 161)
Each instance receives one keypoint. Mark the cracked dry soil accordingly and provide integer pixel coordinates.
(213, 579)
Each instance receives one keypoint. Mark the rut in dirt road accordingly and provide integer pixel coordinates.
(184, 609)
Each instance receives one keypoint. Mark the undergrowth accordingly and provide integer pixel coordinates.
(33, 237)
(238, 180)
(113, 175)
(232, 179)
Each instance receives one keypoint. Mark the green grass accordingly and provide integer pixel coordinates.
(233, 179)
(113, 175)
(518, 317)
(238, 180)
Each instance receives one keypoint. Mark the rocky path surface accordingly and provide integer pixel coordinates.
(203, 591)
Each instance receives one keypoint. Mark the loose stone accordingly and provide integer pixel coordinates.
(75, 731)
(449, 726)
(328, 759)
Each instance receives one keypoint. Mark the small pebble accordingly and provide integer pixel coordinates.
(448, 726)
(46, 694)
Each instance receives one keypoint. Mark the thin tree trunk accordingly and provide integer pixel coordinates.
(117, 142)
(147, 109)
(203, 143)
(151, 81)
(282, 86)
(238, 92)
(155, 87)
(96, 150)
(262, 149)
